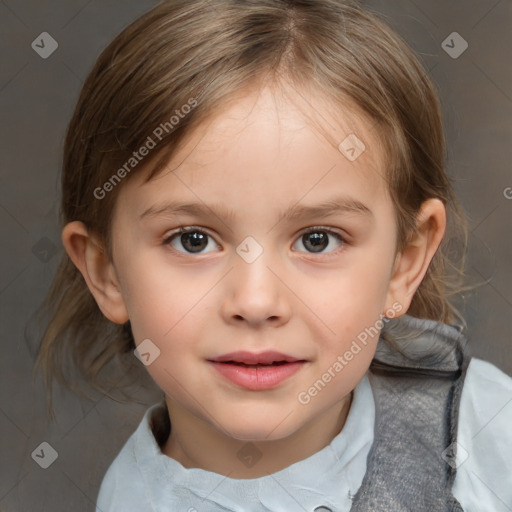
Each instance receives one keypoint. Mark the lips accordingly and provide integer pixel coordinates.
(256, 372)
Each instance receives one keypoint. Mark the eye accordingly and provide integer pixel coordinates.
(192, 239)
(317, 239)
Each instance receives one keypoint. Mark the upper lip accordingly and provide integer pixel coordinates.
(267, 357)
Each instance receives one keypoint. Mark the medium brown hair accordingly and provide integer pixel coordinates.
(210, 51)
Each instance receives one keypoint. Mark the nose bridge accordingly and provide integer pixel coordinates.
(256, 293)
(252, 273)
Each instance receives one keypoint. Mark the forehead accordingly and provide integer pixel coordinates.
(272, 143)
(275, 118)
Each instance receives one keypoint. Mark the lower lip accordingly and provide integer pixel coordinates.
(257, 378)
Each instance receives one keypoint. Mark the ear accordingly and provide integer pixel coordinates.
(93, 262)
(412, 262)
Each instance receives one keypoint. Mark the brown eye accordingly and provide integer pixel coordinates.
(192, 240)
(316, 240)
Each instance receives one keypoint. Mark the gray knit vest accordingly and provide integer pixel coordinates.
(417, 388)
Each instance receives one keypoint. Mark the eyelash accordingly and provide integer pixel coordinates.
(313, 229)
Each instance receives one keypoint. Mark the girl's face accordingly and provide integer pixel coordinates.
(288, 246)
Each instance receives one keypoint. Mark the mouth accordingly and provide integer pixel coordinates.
(257, 372)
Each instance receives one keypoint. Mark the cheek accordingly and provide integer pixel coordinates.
(353, 312)
(157, 296)
(168, 308)
(360, 289)
(177, 329)
(370, 278)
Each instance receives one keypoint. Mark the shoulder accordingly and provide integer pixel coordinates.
(484, 451)
(123, 487)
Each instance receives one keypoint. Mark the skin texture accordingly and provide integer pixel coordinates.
(259, 157)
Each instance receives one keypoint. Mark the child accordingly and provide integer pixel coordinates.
(255, 205)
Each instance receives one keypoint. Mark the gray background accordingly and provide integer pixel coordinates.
(36, 101)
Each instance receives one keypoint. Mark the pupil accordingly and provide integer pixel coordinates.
(193, 242)
(318, 241)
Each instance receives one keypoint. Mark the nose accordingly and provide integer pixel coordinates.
(256, 293)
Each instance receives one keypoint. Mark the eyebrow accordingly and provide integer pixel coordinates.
(334, 206)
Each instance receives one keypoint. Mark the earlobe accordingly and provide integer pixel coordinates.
(93, 262)
(412, 263)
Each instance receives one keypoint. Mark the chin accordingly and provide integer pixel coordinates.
(258, 429)
(255, 436)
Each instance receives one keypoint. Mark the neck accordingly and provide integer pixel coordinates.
(197, 444)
